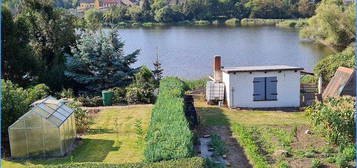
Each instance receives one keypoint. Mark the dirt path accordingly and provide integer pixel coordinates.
(235, 154)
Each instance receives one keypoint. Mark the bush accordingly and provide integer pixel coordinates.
(142, 90)
(341, 161)
(327, 66)
(169, 136)
(119, 95)
(232, 22)
(90, 101)
(252, 149)
(37, 92)
(195, 84)
(194, 162)
(67, 93)
(297, 24)
(81, 116)
(334, 118)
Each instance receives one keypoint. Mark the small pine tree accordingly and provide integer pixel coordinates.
(99, 62)
(157, 68)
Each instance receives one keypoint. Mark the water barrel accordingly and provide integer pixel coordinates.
(107, 97)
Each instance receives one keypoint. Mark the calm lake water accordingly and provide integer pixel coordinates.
(187, 51)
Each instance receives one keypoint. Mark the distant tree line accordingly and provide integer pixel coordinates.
(165, 12)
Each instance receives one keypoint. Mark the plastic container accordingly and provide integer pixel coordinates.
(107, 97)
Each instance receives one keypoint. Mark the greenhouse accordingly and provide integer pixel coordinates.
(47, 130)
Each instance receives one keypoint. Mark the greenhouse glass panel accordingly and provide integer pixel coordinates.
(18, 142)
(48, 129)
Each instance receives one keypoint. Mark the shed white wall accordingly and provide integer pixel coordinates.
(239, 89)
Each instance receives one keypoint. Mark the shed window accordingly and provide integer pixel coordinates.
(265, 89)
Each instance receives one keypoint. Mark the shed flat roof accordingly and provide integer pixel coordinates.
(260, 68)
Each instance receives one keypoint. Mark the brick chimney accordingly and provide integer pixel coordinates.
(217, 67)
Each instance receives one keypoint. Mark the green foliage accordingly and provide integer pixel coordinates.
(50, 33)
(17, 63)
(341, 161)
(316, 163)
(333, 24)
(349, 152)
(81, 116)
(309, 79)
(306, 8)
(283, 164)
(90, 101)
(142, 90)
(252, 149)
(334, 118)
(93, 18)
(267, 9)
(297, 24)
(232, 22)
(218, 145)
(118, 95)
(98, 62)
(194, 162)
(139, 132)
(169, 136)
(260, 22)
(327, 67)
(67, 93)
(195, 84)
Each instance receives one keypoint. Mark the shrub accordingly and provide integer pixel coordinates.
(194, 162)
(142, 90)
(232, 22)
(67, 93)
(252, 149)
(259, 22)
(283, 164)
(334, 118)
(90, 101)
(328, 65)
(81, 116)
(37, 92)
(298, 24)
(195, 84)
(119, 95)
(169, 136)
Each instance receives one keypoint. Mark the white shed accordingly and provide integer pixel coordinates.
(262, 86)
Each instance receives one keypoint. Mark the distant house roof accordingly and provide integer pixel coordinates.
(87, 1)
(261, 68)
(111, 1)
(342, 83)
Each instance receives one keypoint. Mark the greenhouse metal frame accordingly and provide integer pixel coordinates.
(47, 130)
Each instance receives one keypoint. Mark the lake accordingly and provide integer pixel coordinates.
(188, 51)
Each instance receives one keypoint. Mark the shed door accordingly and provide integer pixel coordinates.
(259, 89)
(271, 88)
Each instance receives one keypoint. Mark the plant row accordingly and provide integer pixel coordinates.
(246, 138)
(169, 136)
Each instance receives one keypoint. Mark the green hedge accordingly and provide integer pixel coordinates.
(195, 162)
(169, 136)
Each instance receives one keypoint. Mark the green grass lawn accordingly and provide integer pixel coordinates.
(112, 139)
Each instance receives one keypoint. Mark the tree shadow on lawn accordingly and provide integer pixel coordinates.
(88, 150)
(214, 121)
